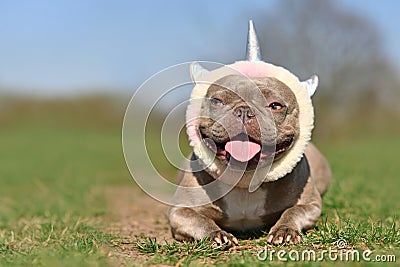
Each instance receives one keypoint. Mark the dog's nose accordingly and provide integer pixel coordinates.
(244, 113)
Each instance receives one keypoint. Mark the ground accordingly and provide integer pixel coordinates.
(133, 213)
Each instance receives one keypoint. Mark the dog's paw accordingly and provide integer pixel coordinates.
(223, 239)
(284, 234)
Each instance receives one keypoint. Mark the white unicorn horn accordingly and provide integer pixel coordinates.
(253, 50)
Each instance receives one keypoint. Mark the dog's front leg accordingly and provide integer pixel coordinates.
(301, 216)
(187, 224)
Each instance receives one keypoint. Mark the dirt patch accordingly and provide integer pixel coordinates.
(133, 213)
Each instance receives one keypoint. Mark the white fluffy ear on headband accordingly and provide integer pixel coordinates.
(197, 72)
(311, 85)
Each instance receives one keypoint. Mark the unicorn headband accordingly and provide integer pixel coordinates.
(255, 66)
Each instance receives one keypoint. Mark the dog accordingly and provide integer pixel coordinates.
(250, 130)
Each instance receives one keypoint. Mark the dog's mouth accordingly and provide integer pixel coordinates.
(245, 149)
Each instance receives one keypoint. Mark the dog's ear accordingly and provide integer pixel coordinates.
(311, 85)
(197, 72)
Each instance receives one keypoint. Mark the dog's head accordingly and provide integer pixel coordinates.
(249, 120)
(257, 115)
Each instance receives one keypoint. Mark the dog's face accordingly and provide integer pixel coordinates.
(249, 120)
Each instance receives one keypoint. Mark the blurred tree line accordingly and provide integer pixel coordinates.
(358, 84)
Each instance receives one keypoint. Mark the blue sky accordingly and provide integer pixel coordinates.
(61, 47)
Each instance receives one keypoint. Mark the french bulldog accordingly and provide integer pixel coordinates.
(250, 131)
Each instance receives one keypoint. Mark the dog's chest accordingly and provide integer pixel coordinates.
(244, 210)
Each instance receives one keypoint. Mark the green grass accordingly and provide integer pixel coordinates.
(57, 158)
(52, 171)
(173, 252)
(49, 194)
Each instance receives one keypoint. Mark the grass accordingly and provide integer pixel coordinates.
(52, 171)
(58, 156)
(51, 241)
(176, 253)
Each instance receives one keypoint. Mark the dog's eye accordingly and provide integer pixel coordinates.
(275, 106)
(216, 101)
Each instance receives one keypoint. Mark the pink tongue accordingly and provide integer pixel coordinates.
(242, 150)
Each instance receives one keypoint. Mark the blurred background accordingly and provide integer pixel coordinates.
(69, 68)
(68, 51)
